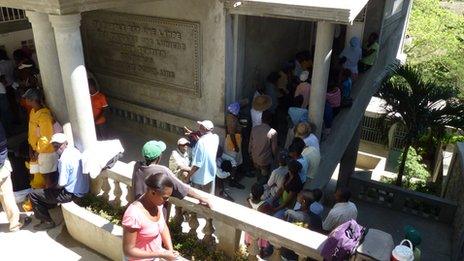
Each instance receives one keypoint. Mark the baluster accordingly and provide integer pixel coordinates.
(253, 249)
(178, 217)
(208, 230)
(129, 196)
(106, 188)
(193, 223)
(117, 193)
(276, 255)
(301, 257)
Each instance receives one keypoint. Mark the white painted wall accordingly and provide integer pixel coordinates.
(12, 41)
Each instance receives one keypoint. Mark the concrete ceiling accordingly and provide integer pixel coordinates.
(337, 11)
(62, 7)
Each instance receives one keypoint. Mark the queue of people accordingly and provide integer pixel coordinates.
(252, 148)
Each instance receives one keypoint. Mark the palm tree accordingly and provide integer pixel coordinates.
(422, 107)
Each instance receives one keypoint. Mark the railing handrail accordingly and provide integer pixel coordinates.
(423, 196)
(302, 241)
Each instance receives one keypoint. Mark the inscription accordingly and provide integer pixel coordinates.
(154, 51)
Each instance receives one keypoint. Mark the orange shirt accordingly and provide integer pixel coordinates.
(98, 104)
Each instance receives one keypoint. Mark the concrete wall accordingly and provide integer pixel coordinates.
(454, 190)
(210, 14)
(269, 43)
(12, 41)
(374, 17)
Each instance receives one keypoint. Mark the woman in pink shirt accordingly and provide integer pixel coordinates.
(303, 89)
(145, 230)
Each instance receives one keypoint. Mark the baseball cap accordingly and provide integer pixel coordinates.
(153, 149)
(207, 124)
(182, 141)
(59, 138)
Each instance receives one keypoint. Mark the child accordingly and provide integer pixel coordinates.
(262, 206)
(223, 172)
(300, 213)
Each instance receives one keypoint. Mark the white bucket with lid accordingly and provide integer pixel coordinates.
(403, 252)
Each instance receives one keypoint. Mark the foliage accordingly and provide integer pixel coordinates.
(423, 106)
(415, 172)
(187, 245)
(437, 43)
(100, 206)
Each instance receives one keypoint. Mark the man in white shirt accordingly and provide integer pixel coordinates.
(204, 168)
(179, 162)
(343, 210)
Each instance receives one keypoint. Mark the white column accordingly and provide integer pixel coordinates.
(76, 89)
(321, 68)
(47, 56)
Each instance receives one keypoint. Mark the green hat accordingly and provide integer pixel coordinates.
(153, 149)
(412, 235)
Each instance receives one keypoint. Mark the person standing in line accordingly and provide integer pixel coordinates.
(304, 89)
(351, 55)
(344, 210)
(43, 159)
(179, 162)
(204, 168)
(370, 53)
(72, 183)
(233, 146)
(7, 197)
(99, 109)
(260, 103)
(263, 147)
(152, 152)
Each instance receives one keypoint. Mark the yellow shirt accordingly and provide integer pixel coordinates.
(41, 130)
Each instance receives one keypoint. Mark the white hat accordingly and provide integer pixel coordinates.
(207, 124)
(59, 138)
(182, 141)
(304, 76)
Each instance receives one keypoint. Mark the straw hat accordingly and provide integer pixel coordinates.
(302, 130)
(262, 102)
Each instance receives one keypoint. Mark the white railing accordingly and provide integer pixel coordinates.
(11, 14)
(224, 222)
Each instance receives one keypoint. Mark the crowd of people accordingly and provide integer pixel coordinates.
(269, 136)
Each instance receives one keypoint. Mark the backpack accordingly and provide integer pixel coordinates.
(342, 241)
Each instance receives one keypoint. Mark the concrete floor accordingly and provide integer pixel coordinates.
(54, 244)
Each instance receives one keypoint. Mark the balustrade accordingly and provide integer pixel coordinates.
(224, 222)
(416, 203)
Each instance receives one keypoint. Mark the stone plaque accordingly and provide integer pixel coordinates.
(154, 51)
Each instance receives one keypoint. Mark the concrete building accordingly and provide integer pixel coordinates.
(169, 63)
(166, 63)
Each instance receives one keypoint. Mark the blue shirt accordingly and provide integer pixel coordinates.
(304, 170)
(204, 157)
(70, 173)
(298, 115)
(346, 90)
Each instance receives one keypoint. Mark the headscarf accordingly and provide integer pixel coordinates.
(353, 54)
(234, 108)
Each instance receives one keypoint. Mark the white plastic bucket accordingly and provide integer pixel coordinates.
(402, 252)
